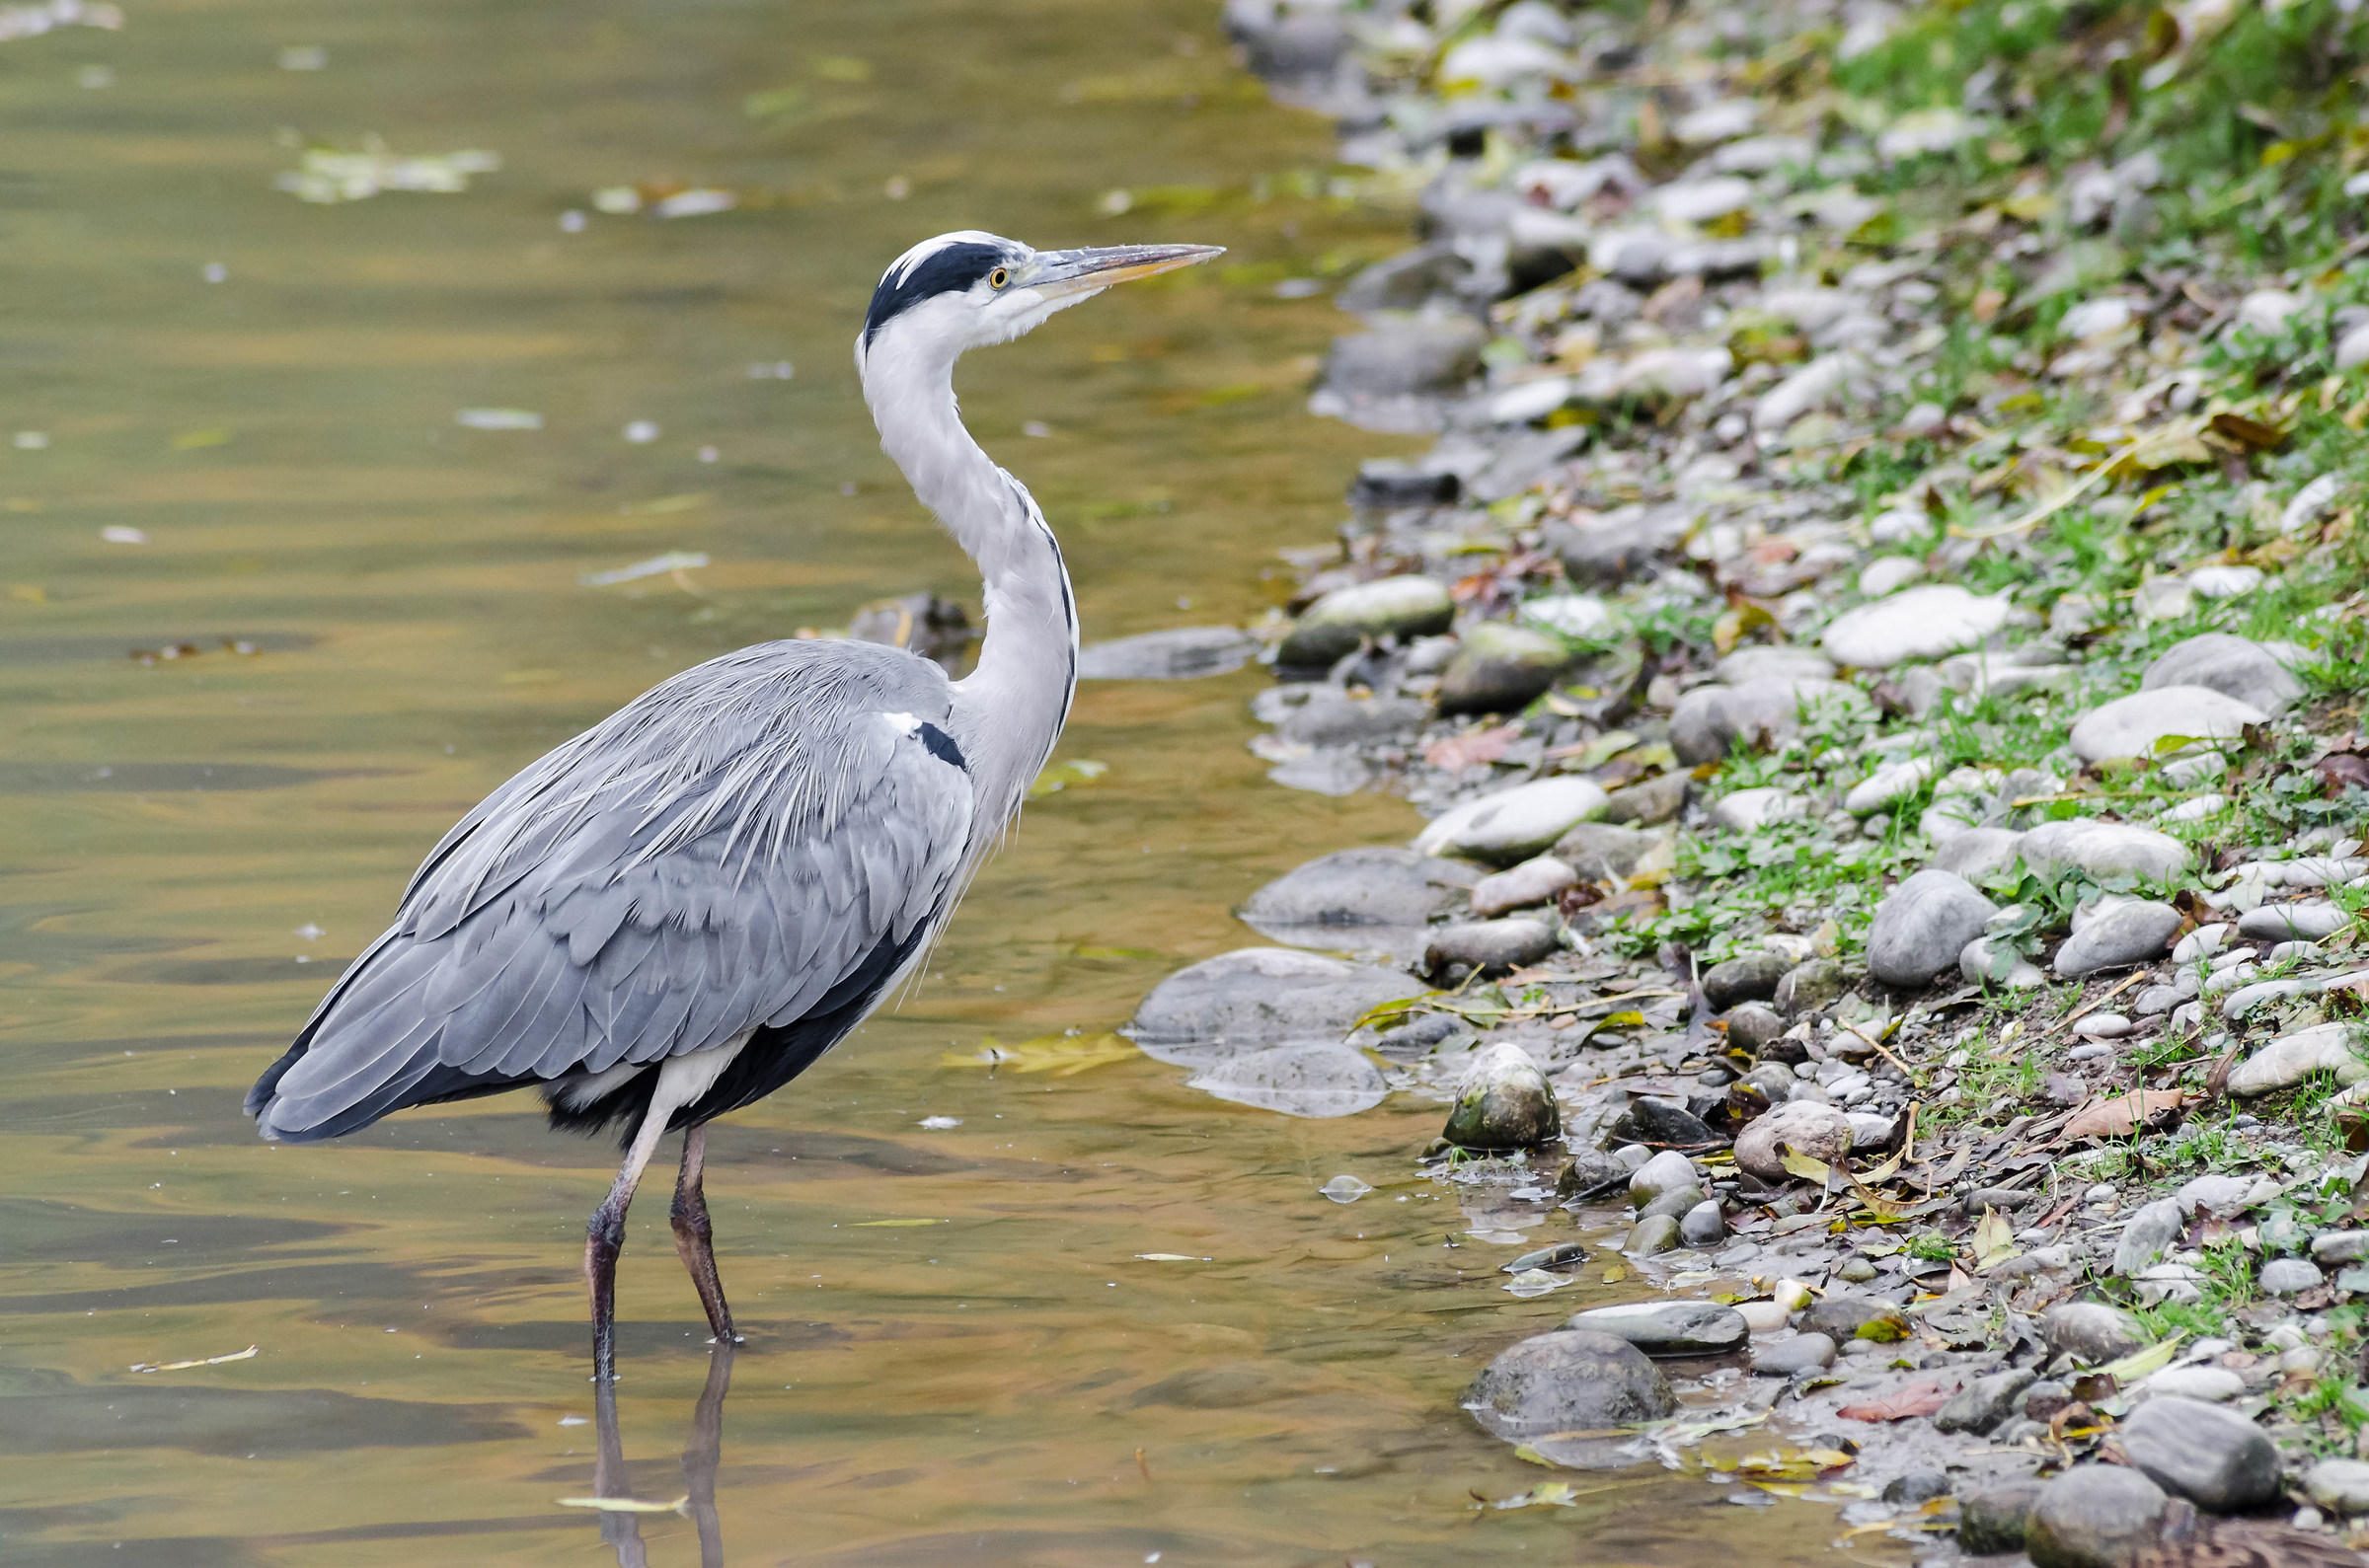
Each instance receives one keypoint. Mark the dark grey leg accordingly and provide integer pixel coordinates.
(604, 1239)
(621, 1530)
(694, 1237)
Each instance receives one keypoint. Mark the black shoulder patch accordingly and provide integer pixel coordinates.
(950, 269)
(941, 744)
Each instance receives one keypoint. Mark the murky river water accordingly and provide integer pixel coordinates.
(955, 1354)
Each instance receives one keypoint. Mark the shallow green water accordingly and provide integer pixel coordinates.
(1005, 1383)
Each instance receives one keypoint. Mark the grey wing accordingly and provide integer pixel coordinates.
(715, 859)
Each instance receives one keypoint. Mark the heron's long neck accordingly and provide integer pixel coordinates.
(1009, 710)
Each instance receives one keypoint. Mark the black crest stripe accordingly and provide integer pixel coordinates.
(949, 269)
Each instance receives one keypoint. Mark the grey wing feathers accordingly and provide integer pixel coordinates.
(711, 859)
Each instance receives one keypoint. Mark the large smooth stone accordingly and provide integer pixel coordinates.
(1382, 886)
(1333, 628)
(2214, 1458)
(2234, 666)
(1991, 1521)
(1922, 925)
(1985, 1402)
(2341, 1486)
(1350, 720)
(1977, 851)
(2135, 932)
(1668, 1327)
(1604, 852)
(1806, 1127)
(1786, 662)
(1787, 1358)
(1752, 977)
(2130, 726)
(1512, 824)
(1665, 1173)
(1305, 1077)
(1499, 668)
(1503, 1102)
(2093, 1331)
(2097, 1516)
(2151, 1232)
(1405, 358)
(2309, 921)
(1657, 800)
(1183, 655)
(1750, 811)
(2104, 849)
(1914, 623)
(1616, 545)
(1569, 1381)
(1535, 881)
(1712, 720)
(2290, 1059)
(1808, 987)
(1261, 996)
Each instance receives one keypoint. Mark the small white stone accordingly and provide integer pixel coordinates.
(1748, 810)
(2102, 1026)
(1889, 572)
(1914, 623)
(2130, 726)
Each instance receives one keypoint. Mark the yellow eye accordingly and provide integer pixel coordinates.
(998, 278)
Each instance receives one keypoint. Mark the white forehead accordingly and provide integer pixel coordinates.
(902, 267)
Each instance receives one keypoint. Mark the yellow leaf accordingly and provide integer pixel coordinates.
(625, 1505)
(1808, 1166)
(1994, 1240)
(2139, 1363)
(866, 1225)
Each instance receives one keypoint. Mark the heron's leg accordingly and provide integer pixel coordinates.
(694, 1237)
(604, 1239)
(703, 1453)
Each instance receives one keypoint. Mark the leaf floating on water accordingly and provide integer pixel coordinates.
(1535, 1282)
(1168, 1257)
(1345, 1189)
(498, 419)
(1062, 1055)
(654, 566)
(940, 1124)
(248, 1354)
(1061, 775)
(325, 175)
(626, 1505)
(117, 533)
(895, 1224)
(1552, 1494)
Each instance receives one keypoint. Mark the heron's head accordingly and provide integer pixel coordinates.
(968, 289)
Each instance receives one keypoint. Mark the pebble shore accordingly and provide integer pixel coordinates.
(1876, 646)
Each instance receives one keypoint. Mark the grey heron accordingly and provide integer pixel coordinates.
(675, 913)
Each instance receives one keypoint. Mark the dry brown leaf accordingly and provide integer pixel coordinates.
(2124, 1114)
(1901, 1404)
(1471, 750)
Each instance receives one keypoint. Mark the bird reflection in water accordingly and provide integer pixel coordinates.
(702, 1453)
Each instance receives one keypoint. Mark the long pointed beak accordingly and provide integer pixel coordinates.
(1061, 274)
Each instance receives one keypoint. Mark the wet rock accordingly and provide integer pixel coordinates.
(1710, 721)
(1789, 1358)
(1531, 883)
(1653, 1235)
(1985, 1402)
(2092, 1332)
(1752, 977)
(2134, 932)
(1668, 1327)
(1333, 628)
(2152, 1231)
(2341, 1486)
(2129, 726)
(1350, 720)
(1810, 986)
(2310, 921)
(1367, 887)
(1492, 947)
(1805, 1126)
(1673, 1204)
(1389, 485)
(1591, 1172)
(1753, 1026)
(1991, 1519)
(1261, 996)
(1749, 810)
(1410, 358)
(1312, 1079)
(1914, 623)
(1182, 655)
(1703, 1225)
(2216, 1458)
(1513, 824)
(1503, 1102)
(1656, 801)
(1977, 851)
(2104, 850)
(1569, 1381)
(1922, 925)
(1842, 1318)
(1665, 1171)
(2097, 1516)
(2290, 1059)
(1498, 668)
(2236, 667)
(1603, 852)
(2291, 1277)
(1916, 1486)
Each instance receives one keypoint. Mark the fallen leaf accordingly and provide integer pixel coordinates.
(1806, 1166)
(182, 1365)
(2139, 1363)
(2124, 1114)
(1901, 1404)
(1994, 1240)
(625, 1505)
(1473, 749)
